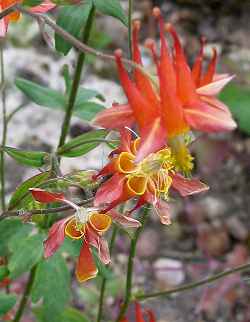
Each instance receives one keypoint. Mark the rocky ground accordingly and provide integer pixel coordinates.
(209, 232)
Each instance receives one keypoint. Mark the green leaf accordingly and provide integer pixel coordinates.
(21, 196)
(51, 98)
(28, 253)
(3, 272)
(8, 228)
(73, 315)
(29, 158)
(7, 301)
(71, 19)
(71, 246)
(82, 144)
(238, 100)
(23, 232)
(52, 284)
(31, 3)
(111, 8)
(88, 110)
(41, 95)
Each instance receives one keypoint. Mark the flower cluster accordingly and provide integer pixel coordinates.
(145, 168)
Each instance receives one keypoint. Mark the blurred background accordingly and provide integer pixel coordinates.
(210, 232)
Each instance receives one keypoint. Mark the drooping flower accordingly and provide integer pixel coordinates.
(14, 16)
(149, 180)
(179, 101)
(140, 315)
(87, 224)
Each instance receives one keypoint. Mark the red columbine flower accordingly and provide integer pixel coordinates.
(88, 224)
(178, 101)
(12, 17)
(148, 180)
(140, 315)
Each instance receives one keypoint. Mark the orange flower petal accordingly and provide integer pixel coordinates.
(85, 268)
(125, 163)
(100, 222)
(137, 184)
(73, 231)
(197, 67)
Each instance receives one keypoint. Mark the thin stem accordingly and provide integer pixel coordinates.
(4, 131)
(30, 213)
(26, 294)
(74, 41)
(130, 10)
(76, 80)
(193, 285)
(104, 280)
(130, 267)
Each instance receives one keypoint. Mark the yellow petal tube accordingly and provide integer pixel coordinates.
(100, 222)
(125, 163)
(137, 184)
(74, 230)
(135, 145)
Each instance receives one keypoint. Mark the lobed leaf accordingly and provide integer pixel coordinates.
(28, 253)
(7, 301)
(52, 284)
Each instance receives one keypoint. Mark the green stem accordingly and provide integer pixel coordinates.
(26, 294)
(104, 280)
(130, 267)
(76, 80)
(130, 10)
(193, 285)
(4, 132)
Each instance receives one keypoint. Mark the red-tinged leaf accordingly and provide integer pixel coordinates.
(125, 221)
(187, 187)
(86, 268)
(55, 237)
(44, 196)
(204, 117)
(214, 87)
(153, 138)
(115, 117)
(110, 191)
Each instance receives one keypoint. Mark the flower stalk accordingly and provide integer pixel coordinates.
(4, 131)
(130, 266)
